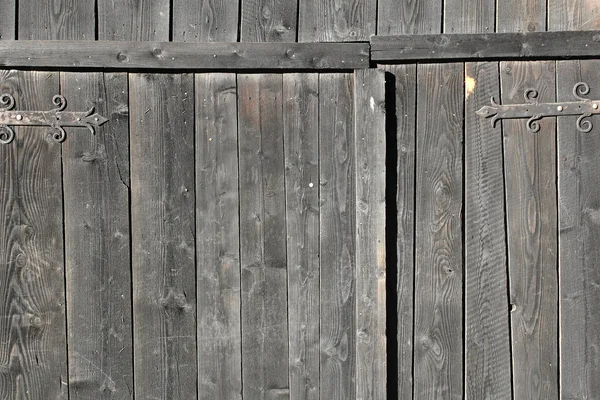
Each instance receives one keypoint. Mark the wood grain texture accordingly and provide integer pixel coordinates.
(265, 346)
(162, 235)
(370, 139)
(301, 144)
(409, 17)
(56, 20)
(404, 78)
(218, 238)
(438, 357)
(487, 330)
(33, 355)
(521, 15)
(205, 20)
(268, 20)
(336, 21)
(530, 175)
(469, 16)
(337, 236)
(132, 20)
(579, 250)
(575, 15)
(8, 15)
(97, 251)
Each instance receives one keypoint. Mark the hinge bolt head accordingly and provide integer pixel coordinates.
(19, 117)
(559, 108)
(595, 106)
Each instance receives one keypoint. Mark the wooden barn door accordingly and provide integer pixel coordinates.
(221, 237)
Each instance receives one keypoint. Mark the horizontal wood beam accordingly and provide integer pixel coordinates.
(489, 46)
(192, 56)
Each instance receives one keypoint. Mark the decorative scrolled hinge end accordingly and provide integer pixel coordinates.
(56, 118)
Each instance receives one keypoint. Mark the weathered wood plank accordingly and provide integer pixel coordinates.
(217, 238)
(492, 46)
(56, 20)
(301, 144)
(576, 15)
(530, 171)
(265, 346)
(33, 355)
(409, 17)
(205, 20)
(337, 236)
(193, 56)
(162, 235)
(469, 16)
(336, 21)
(403, 98)
(370, 139)
(8, 15)
(268, 20)
(487, 331)
(136, 20)
(96, 192)
(521, 16)
(438, 341)
(579, 247)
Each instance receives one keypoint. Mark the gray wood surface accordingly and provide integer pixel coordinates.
(205, 20)
(409, 17)
(301, 144)
(194, 56)
(371, 266)
(137, 20)
(265, 346)
(336, 21)
(577, 15)
(487, 330)
(579, 250)
(97, 251)
(337, 236)
(438, 340)
(8, 15)
(268, 20)
(56, 20)
(404, 95)
(162, 235)
(489, 46)
(218, 238)
(530, 175)
(469, 16)
(521, 15)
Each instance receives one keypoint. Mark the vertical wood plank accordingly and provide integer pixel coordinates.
(576, 15)
(438, 357)
(337, 242)
(579, 250)
(96, 191)
(469, 16)
(409, 17)
(268, 20)
(487, 335)
(205, 20)
(530, 170)
(301, 143)
(403, 83)
(133, 19)
(8, 13)
(521, 15)
(56, 20)
(265, 347)
(163, 244)
(217, 238)
(370, 139)
(336, 21)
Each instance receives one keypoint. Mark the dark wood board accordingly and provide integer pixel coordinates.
(218, 238)
(577, 15)
(409, 17)
(402, 83)
(521, 15)
(336, 21)
(265, 346)
(32, 321)
(205, 20)
(337, 236)
(268, 20)
(530, 176)
(487, 329)
(192, 56)
(438, 340)
(492, 46)
(97, 251)
(56, 20)
(163, 235)
(120, 20)
(301, 144)
(371, 266)
(579, 249)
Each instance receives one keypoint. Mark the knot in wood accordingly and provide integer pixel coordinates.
(173, 301)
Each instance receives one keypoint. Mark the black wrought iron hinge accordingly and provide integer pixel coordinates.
(56, 118)
(535, 111)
